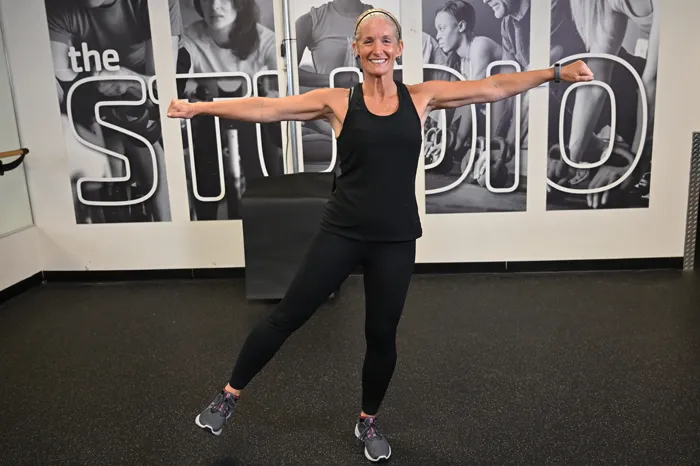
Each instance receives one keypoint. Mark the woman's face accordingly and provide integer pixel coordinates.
(218, 13)
(378, 45)
(448, 33)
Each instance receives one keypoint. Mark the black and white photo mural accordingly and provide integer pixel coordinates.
(324, 35)
(227, 50)
(601, 133)
(103, 68)
(476, 155)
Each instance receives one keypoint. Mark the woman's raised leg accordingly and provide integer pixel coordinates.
(328, 262)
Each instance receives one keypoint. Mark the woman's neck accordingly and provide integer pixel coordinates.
(379, 87)
(464, 47)
(222, 35)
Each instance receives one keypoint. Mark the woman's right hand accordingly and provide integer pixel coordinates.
(181, 109)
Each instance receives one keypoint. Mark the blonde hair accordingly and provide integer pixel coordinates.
(375, 12)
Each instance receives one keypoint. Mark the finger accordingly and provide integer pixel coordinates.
(589, 199)
(596, 199)
(604, 199)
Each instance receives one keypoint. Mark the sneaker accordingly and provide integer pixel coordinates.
(217, 413)
(376, 445)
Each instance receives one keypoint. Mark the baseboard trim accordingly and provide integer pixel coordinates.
(20, 287)
(662, 263)
(594, 265)
(131, 275)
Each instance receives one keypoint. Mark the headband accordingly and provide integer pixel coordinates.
(378, 10)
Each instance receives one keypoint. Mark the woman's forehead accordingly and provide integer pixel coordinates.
(377, 25)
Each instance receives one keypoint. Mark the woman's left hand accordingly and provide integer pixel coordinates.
(578, 71)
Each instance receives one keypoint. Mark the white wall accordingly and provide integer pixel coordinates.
(19, 256)
(532, 235)
(15, 208)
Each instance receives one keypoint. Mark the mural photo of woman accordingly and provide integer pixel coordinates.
(461, 175)
(227, 43)
(324, 43)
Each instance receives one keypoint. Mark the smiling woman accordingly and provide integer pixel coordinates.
(372, 217)
(378, 43)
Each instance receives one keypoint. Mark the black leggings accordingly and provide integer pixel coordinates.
(387, 274)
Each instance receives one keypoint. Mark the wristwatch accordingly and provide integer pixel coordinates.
(557, 72)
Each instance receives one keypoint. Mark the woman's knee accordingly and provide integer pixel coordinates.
(289, 316)
(381, 338)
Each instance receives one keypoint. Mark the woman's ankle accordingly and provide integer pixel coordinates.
(230, 389)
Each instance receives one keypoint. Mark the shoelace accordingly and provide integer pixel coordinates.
(223, 405)
(370, 431)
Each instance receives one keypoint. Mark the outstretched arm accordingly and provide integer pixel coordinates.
(441, 95)
(312, 105)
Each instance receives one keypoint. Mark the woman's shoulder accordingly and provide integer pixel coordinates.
(266, 35)
(264, 31)
(195, 29)
(327, 95)
(481, 43)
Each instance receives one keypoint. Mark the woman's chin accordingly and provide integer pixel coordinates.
(219, 24)
(380, 69)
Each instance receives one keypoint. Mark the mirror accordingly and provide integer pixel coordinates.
(15, 208)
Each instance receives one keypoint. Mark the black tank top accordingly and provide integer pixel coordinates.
(374, 195)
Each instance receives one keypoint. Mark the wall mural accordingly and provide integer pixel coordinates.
(599, 135)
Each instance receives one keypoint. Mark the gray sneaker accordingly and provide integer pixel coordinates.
(217, 413)
(376, 445)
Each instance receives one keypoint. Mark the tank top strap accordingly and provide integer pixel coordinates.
(405, 101)
(355, 96)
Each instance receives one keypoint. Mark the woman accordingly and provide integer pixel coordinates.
(455, 24)
(229, 38)
(372, 217)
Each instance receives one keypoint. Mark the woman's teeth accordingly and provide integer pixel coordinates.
(378, 61)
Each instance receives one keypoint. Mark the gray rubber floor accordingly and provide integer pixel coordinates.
(597, 368)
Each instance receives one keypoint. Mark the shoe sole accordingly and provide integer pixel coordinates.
(374, 460)
(209, 428)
